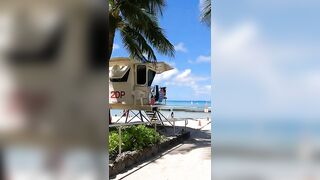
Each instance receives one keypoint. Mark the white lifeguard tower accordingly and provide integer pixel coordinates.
(131, 89)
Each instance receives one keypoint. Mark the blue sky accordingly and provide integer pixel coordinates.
(266, 59)
(191, 78)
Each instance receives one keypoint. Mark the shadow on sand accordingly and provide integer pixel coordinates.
(198, 139)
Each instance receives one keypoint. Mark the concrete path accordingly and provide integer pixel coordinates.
(188, 161)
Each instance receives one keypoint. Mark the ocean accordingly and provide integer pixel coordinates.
(189, 104)
(182, 109)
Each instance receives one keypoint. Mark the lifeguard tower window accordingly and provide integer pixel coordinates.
(141, 74)
(119, 73)
(123, 79)
(151, 75)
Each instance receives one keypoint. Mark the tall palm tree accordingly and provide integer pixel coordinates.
(206, 12)
(137, 22)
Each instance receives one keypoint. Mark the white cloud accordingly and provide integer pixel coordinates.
(180, 47)
(116, 46)
(186, 79)
(184, 75)
(165, 76)
(203, 59)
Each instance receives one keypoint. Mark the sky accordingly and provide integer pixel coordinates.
(266, 59)
(191, 77)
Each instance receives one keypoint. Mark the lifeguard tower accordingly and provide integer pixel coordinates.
(131, 89)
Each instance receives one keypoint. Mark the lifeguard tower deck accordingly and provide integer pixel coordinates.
(131, 89)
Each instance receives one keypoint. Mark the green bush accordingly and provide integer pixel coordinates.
(133, 138)
(113, 142)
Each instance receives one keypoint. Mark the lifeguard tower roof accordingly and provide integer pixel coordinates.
(160, 67)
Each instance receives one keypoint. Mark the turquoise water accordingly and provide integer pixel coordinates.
(200, 104)
(184, 109)
(188, 105)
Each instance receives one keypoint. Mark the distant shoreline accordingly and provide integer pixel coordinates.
(183, 109)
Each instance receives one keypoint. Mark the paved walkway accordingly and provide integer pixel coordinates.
(188, 161)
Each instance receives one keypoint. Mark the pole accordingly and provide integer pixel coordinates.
(174, 126)
(120, 140)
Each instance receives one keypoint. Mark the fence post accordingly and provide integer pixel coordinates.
(174, 126)
(120, 140)
(185, 124)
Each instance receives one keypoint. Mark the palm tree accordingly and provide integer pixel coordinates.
(137, 22)
(206, 12)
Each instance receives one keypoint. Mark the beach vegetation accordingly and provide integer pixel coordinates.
(133, 138)
(138, 25)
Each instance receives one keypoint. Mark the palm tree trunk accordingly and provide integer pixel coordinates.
(111, 40)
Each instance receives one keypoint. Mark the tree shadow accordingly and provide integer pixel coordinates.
(198, 139)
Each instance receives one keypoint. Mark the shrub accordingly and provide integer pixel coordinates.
(133, 138)
(113, 142)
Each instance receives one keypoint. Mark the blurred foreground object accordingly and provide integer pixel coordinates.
(266, 90)
(53, 104)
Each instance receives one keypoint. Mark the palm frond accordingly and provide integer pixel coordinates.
(206, 12)
(136, 44)
(152, 6)
(147, 25)
(137, 21)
